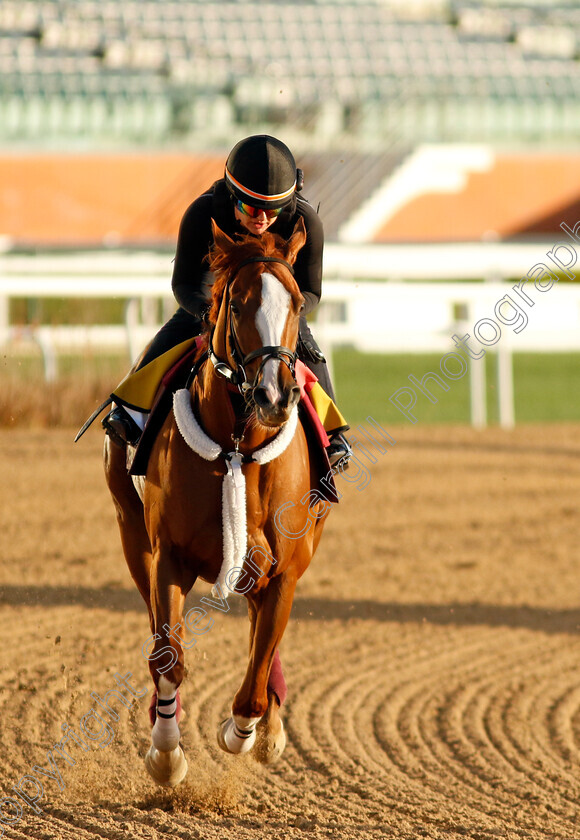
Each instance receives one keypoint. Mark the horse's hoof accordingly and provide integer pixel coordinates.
(229, 742)
(166, 768)
(220, 735)
(270, 746)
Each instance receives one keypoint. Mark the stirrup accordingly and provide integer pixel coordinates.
(121, 428)
(339, 453)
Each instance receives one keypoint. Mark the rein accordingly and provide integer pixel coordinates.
(238, 375)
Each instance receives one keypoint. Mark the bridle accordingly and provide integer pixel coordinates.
(237, 376)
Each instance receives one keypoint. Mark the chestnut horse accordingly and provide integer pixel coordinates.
(243, 401)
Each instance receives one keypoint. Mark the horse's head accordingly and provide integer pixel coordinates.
(255, 313)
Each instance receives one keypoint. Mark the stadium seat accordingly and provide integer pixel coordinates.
(156, 55)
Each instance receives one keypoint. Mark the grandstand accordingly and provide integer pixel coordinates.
(363, 74)
(353, 86)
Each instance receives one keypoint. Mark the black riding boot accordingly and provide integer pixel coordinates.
(121, 427)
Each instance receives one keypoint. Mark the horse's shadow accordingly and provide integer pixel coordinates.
(543, 620)
(459, 614)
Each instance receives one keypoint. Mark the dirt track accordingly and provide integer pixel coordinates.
(432, 658)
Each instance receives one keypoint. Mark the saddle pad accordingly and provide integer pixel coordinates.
(140, 388)
(174, 379)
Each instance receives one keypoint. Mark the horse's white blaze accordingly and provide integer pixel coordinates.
(270, 322)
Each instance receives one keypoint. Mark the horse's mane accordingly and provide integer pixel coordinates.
(225, 264)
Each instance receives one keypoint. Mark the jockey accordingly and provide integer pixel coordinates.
(259, 192)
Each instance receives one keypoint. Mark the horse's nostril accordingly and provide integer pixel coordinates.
(261, 397)
(279, 401)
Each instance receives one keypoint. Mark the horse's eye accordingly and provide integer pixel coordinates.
(234, 308)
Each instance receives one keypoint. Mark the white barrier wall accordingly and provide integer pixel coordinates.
(533, 314)
(421, 317)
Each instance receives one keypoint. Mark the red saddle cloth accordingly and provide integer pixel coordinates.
(306, 381)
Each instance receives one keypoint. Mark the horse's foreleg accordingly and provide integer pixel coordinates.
(165, 760)
(165, 733)
(271, 737)
(276, 681)
(237, 734)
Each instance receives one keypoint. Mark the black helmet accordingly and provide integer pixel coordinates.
(261, 171)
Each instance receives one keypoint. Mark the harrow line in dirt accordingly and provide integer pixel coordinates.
(537, 748)
(424, 700)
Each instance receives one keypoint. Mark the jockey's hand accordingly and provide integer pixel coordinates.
(310, 351)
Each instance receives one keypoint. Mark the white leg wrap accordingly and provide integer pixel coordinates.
(165, 733)
(239, 734)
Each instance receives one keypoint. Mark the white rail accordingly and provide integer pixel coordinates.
(386, 317)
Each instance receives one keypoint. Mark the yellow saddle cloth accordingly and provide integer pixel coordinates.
(138, 390)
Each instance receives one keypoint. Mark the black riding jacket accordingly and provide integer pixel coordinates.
(192, 280)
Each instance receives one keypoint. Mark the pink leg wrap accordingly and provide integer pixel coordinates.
(276, 682)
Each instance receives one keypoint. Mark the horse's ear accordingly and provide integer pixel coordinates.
(296, 241)
(222, 240)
